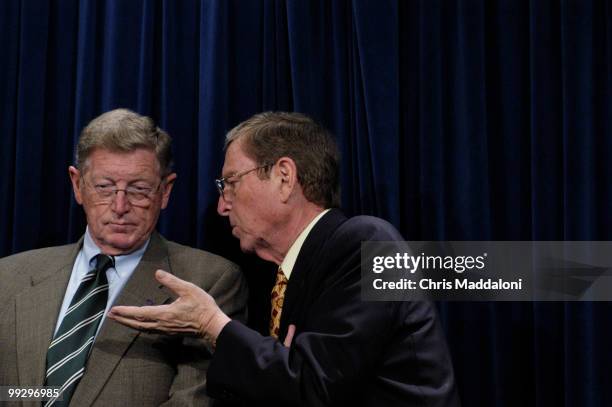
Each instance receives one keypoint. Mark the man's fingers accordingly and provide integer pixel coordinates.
(183, 316)
(137, 313)
(135, 324)
(289, 337)
(159, 327)
(175, 284)
(148, 313)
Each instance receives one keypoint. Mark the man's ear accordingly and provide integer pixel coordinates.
(75, 179)
(286, 172)
(168, 183)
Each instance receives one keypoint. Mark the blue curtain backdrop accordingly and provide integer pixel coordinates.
(457, 120)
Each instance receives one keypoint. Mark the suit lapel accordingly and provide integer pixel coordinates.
(37, 309)
(303, 274)
(114, 339)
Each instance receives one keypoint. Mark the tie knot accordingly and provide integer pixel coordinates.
(104, 262)
(280, 277)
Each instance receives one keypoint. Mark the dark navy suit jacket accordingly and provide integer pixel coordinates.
(345, 351)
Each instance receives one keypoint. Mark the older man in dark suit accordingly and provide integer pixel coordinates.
(52, 326)
(326, 346)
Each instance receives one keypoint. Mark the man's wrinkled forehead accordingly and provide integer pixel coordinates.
(122, 155)
(235, 159)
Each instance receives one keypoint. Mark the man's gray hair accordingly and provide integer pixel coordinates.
(122, 130)
(268, 136)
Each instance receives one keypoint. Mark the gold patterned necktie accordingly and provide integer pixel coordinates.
(278, 297)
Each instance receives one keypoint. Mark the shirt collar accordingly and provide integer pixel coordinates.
(123, 263)
(292, 255)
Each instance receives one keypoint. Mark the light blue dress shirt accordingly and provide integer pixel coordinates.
(117, 276)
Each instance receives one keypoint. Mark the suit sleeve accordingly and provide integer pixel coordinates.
(13, 279)
(326, 360)
(341, 346)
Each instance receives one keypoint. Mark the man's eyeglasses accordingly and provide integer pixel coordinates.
(136, 195)
(225, 185)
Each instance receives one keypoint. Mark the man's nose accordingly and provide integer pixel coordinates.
(120, 204)
(223, 207)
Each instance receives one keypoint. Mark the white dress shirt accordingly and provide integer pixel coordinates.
(294, 250)
(117, 276)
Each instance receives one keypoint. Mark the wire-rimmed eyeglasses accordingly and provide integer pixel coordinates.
(225, 185)
(136, 195)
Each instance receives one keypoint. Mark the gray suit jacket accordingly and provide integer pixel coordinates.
(125, 367)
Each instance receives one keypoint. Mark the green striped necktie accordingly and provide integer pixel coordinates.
(69, 349)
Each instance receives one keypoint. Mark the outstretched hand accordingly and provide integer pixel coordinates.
(194, 312)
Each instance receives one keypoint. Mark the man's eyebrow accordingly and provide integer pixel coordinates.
(228, 174)
(133, 181)
(148, 181)
(101, 178)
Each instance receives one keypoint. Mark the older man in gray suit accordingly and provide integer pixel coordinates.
(53, 330)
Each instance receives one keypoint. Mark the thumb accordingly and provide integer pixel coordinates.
(175, 284)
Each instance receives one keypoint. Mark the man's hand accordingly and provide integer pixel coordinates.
(194, 312)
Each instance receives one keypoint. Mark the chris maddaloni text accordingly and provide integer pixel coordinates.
(455, 284)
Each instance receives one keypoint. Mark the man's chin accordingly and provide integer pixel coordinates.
(246, 247)
(259, 248)
(119, 244)
(267, 255)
